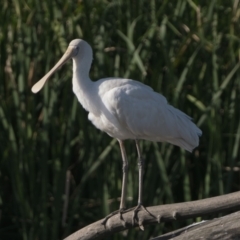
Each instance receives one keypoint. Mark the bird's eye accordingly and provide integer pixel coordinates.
(76, 51)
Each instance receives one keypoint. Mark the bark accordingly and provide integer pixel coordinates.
(162, 213)
(227, 227)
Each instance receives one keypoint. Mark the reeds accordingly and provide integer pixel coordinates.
(187, 50)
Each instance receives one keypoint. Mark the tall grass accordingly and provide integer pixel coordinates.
(57, 172)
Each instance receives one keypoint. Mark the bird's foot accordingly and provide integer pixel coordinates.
(120, 212)
(135, 218)
(138, 208)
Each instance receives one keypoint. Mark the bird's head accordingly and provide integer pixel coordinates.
(78, 49)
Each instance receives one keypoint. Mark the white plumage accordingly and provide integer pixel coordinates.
(125, 109)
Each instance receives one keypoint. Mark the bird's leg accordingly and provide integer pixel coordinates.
(140, 171)
(125, 176)
(140, 180)
(124, 186)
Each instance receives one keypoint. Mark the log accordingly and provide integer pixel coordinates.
(162, 213)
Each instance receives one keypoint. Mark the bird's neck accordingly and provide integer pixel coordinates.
(82, 84)
(81, 80)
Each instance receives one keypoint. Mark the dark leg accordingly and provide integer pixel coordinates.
(124, 186)
(125, 173)
(140, 180)
(140, 170)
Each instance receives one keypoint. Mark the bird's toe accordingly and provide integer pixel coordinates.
(120, 212)
(135, 218)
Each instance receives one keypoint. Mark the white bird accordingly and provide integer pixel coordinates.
(125, 109)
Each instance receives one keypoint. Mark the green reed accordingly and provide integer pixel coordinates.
(57, 172)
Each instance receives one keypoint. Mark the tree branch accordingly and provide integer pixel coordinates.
(162, 213)
(224, 228)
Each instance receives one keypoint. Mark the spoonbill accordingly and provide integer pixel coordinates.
(125, 109)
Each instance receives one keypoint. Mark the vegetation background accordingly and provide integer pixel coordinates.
(188, 50)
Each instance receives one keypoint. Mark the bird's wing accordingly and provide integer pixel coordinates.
(147, 115)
